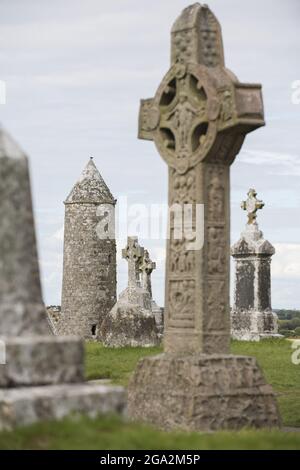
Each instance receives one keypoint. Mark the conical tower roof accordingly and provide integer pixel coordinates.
(90, 188)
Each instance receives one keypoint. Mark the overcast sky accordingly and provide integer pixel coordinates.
(75, 72)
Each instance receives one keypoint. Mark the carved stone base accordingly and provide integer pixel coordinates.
(254, 326)
(201, 393)
(128, 325)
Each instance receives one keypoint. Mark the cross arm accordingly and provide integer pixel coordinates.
(249, 106)
(148, 119)
(259, 204)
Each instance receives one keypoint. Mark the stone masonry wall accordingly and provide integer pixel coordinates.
(89, 272)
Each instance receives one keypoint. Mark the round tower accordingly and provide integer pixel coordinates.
(89, 268)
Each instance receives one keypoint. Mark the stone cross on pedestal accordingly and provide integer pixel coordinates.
(146, 268)
(252, 317)
(133, 253)
(131, 321)
(198, 121)
(252, 205)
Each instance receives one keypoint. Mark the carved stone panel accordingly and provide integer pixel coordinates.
(182, 304)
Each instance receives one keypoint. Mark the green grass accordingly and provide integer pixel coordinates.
(274, 356)
(112, 433)
(114, 364)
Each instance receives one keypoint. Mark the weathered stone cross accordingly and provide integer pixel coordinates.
(252, 205)
(146, 268)
(133, 253)
(198, 120)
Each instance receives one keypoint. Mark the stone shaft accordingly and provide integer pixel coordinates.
(197, 288)
(252, 280)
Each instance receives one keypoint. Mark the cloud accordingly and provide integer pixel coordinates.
(89, 31)
(286, 261)
(278, 163)
(94, 76)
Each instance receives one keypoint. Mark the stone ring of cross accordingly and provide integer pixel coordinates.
(183, 115)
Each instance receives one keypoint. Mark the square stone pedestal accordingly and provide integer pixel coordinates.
(251, 325)
(201, 393)
(43, 379)
(27, 405)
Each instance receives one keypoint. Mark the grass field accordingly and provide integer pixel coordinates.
(274, 356)
(111, 433)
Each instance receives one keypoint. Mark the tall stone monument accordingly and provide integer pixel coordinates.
(198, 120)
(89, 272)
(22, 311)
(251, 317)
(131, 321)
(43, 377)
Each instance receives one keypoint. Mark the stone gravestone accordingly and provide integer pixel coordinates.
(147, 266)
(43, 376)
(22, 312)
(198, 120)
(131, 321)
(251, 317)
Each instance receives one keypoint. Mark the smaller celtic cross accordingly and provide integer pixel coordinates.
(133, 253)
(252, 205)
(146, 268)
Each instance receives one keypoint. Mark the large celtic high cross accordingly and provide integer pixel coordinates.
(198, 120)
